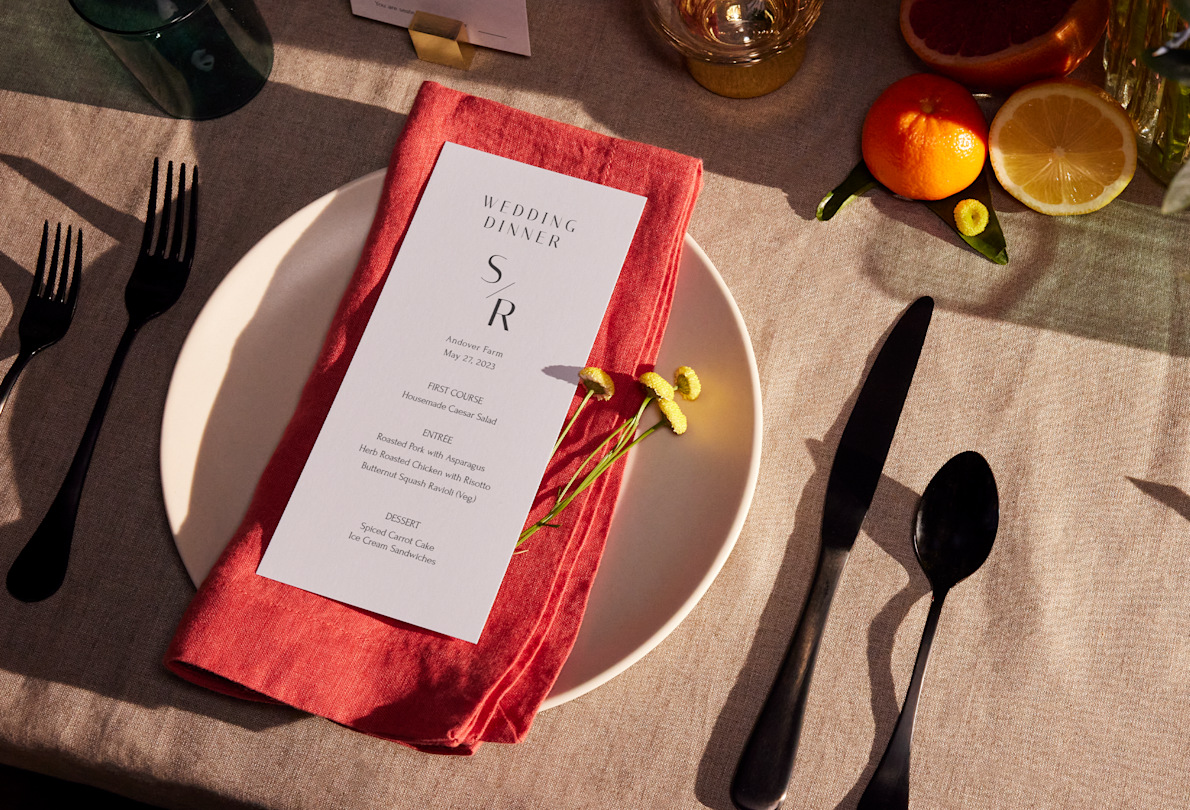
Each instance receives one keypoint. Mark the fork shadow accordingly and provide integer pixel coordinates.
(43, 423)
(123, 544)
(52, 53)
(108, 219)
(13, 278)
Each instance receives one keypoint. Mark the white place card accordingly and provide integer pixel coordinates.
(500, 24)
(422, 476)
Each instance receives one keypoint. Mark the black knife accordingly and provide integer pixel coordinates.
(762, 775)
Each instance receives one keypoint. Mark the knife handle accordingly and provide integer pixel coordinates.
(762, 775)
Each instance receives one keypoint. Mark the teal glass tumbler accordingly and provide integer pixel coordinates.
(194, 58)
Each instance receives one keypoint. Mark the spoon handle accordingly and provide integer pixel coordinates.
(889, 788)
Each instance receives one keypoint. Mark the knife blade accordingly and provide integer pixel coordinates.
(766, 764)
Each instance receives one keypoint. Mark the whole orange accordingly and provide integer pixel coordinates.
(1000, 45)
(925, 137)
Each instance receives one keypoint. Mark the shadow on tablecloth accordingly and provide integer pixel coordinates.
(889, 524)
(106, 630)
(801, 140)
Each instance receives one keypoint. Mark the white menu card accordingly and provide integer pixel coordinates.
(422, 476)
(500, 24)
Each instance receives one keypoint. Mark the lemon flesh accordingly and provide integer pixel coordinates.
(1062, 148)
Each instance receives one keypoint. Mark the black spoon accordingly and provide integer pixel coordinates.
(952, 536)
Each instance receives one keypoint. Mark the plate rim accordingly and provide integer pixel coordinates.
(301, 220)
(737, 524)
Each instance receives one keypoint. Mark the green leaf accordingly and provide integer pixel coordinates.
(1171, 59)
(991, 243)
(1169, 63)
(1177, 196)
(857, 183)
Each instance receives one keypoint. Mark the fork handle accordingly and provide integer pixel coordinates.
(40, 568)
(10, 378)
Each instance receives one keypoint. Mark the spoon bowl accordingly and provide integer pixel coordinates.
(956, 521)
(953, 532)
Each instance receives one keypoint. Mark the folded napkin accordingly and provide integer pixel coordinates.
(254, 638)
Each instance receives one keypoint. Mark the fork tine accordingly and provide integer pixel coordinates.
(76, 277)
(39, 276)
(66, 280)
(151, 217)
(52, 278)
(166, 201)
(176, 241)
(192, 229)
(58, 293)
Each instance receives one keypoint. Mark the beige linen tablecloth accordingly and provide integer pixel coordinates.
(1059, 677)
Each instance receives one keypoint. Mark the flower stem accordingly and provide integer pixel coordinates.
(624, 438)
(577, 411)
(617, 432)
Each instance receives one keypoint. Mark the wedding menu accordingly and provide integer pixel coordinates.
(429, 460)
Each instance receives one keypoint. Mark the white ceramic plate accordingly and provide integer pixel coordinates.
(241, 371)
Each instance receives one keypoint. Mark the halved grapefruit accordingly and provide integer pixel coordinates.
(999, 45)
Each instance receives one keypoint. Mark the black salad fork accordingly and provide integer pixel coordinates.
(157, 281)
(50, 306)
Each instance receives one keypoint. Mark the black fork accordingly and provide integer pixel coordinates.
(51, 303)
(157, 281)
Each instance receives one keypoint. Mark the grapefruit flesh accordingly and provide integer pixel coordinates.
(999, 45)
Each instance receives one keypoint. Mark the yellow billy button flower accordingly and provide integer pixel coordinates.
(598, 382)
(673, 414)
(599, 385)
(616, 444)
(687, 383)
(658, 386)
(970, 217)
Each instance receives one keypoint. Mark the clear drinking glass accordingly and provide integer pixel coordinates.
(1160, 107)
(195, 58)
(737, 48)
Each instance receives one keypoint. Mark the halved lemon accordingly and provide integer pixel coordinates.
(1062, 147)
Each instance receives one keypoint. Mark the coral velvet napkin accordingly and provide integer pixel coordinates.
(254, 638)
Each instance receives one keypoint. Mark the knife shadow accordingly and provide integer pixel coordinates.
(888, 523)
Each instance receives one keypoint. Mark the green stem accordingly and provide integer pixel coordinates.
(634, 421)
(617, 432)
(570, 424)
(628, 428)
(621, 449)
